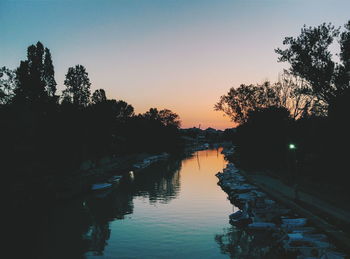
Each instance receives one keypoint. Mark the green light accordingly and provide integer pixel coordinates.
(292, 146)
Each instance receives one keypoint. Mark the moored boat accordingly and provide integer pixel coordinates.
(100, 186)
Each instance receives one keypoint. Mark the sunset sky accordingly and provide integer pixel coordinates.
(181, 55)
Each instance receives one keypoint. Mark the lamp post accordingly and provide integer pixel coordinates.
(292, 147)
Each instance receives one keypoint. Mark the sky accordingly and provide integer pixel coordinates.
(176, 54)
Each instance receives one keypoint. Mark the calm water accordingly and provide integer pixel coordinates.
(171, 210)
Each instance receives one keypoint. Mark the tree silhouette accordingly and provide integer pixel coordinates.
(310, 58)
(49, 74)
(262, 139)
(78, 86)
(37, 129)
(169, 118)
(121, 109)
(290, 92)
(165, 117)
(31, 76)
(99, 96)
(7, 85)
(238, 102)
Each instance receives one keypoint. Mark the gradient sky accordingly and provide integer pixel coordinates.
(176, 54)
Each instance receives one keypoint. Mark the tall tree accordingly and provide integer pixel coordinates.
(294, 94)
(290, 92)
(49, 74)
(311, 59)
(169, 118)
(35, 76)
(238, 102)
(78, 86)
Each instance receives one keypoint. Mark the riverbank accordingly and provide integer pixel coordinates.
(63, 186)
(296, 230)
(328, 218)
(331, 219)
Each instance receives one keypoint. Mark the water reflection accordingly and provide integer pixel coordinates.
(173, 209)
(242, 243)
(102, 209)
(159, 182)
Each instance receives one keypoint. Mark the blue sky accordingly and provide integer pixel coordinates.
(172, 54)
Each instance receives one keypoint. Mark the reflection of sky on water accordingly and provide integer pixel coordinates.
(177, 210)
(173, 209)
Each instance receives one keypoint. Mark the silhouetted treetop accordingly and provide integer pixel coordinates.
(35, 76)
(121, 109)
(165, 117)
(99, 96)
(310, 58)
(49, 74)
(290, 92)
(78, 86)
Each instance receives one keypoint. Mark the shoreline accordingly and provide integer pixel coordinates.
(59, 188)
(341, 239)
(305, 209)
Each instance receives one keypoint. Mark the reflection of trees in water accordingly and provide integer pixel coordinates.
(103, 209)
(239, 243)
(73, 228)
(160, 182)
(60, 233)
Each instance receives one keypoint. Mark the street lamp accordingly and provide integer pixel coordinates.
(293, 148)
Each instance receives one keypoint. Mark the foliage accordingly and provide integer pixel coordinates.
(290, 92)
(310, 58)
(262, 140)
(165, 117)
(99, 96)
(78, 86)
(35, 77)
(238, 102)
(7, 85)
(53, 138)
(308, 106)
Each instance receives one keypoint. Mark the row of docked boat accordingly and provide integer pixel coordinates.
(228, 151)
(150, 160)
(258, 212)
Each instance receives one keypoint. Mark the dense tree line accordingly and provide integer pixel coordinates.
(44, 133)
(308, 107)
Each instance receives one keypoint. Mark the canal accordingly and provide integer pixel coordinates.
(174, 209)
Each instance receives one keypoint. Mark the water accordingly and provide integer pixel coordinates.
(172, 210)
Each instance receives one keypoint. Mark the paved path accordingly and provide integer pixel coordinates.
(311, 200)
(285, 194)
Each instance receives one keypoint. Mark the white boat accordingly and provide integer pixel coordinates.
(115, 179)
(303, 230)
(236, 214)
(142, 164)
(305, 246)
(100, 186)
(291, 223)
(307, 236)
